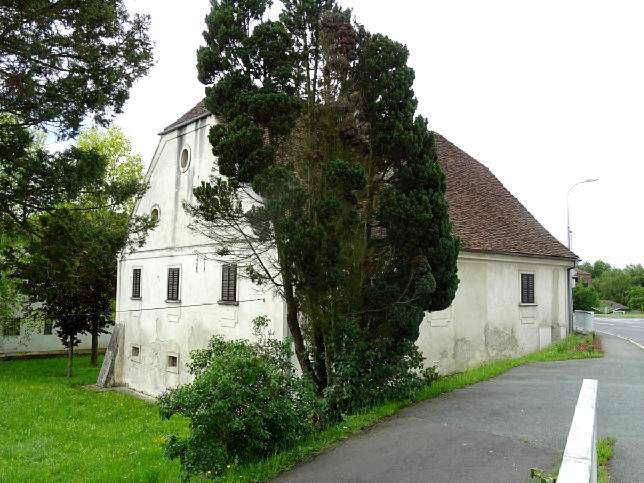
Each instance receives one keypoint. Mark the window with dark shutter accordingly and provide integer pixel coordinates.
(527, 288)
(173, 284)
(229, 282)
(10, 326)
(136, 283)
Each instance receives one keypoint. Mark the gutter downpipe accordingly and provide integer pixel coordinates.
(569, 290)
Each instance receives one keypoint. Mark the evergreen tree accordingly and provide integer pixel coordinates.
(60, 62)
(346, 214)
(63, 60)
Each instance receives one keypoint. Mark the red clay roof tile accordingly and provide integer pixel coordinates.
(485, 215)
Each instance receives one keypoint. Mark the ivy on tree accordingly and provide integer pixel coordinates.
(346, 215)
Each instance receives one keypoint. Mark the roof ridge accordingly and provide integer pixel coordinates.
(197, 112)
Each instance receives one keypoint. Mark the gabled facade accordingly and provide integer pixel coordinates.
(175, 292)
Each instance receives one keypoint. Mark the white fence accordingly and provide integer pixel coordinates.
(579, 463)
(584, 320)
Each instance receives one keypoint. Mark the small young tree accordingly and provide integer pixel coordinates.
(123, 169)
(67, 261)
(585, 297)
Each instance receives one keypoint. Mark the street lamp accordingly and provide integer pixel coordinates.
(568, 232)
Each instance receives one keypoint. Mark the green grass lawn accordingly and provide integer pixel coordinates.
(54, 430)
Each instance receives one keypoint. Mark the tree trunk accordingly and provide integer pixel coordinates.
(296, 332)
(70, 357)
(95, 335)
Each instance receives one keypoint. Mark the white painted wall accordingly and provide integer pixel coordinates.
(487, 320)
(31, 342)
(160, 328)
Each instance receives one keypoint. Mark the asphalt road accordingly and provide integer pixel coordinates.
(496, 430)
(631, 328)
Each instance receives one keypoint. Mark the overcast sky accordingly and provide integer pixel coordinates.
(545, 94)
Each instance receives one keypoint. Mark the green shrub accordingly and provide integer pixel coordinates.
(585, 297)
(368, 371)
(245, 403)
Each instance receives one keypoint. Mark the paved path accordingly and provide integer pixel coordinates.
(496, 430)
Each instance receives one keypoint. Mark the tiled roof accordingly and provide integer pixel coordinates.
(484, 213)
(196, 112)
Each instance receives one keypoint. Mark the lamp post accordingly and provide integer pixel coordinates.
(569, 235)
(568, 232)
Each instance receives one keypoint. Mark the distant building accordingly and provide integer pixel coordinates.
(20, 338)
(578, 275)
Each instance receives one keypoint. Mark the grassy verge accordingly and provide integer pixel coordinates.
(626, 316)
(572, 347)
(605, 449)
(53, 430)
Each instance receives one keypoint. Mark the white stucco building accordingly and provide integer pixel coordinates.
(488, 319)
(513, 291)
(175, 292)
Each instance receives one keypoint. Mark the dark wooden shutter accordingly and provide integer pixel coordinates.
(173, 284)
(136, 283)
(229, 282)
(527, 288)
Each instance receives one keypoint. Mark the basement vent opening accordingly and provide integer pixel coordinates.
(135, 353)
(173, 362)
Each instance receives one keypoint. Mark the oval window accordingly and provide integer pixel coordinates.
(184, 159)
(154, 215)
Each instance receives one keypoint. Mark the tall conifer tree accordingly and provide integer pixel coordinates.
(328, 187)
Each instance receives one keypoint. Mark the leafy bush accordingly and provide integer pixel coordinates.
(245, 402)
(635, 298)
(585, 297)
(368, 371)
